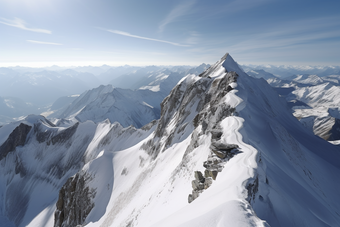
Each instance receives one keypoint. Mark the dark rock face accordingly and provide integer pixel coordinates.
(65, 135)
(223, 150)
(198, 185)
(15, 139)
(75, 202)
(252, 188)
(40, 134)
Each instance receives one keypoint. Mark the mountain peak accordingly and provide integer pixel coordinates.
(230, 65)
(225, 64)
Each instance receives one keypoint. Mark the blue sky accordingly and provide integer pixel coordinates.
(145, 32)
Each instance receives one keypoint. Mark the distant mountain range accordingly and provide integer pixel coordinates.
(286, 71)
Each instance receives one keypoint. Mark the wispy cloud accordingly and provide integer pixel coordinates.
(46, 43)
(175, 13)
(193, 37)
(141, 37)
(19, 23)
(291, 35)
(240, 5)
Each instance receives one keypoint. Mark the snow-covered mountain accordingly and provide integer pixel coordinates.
(312, 98)
(128, 107)
(40, 87)
(37, 158)
(260, 73)
(153, 76)
(284, 71)
(125, 106)
(226, 151)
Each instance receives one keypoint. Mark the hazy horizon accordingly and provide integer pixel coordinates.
(40, 33)
(100, 64)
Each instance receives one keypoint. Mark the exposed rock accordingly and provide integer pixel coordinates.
(211, 174)
(179, 105)
(212, 68)
(252, 188)
(216, 134)
(124, 171)
(194, 195)
(199, 185)
(42, 135)
(65, 135)
(190, 198)
(196, 185)
(74, 202)
(208, 182)
(199, 176)
(223, 150)
(15, 139)
(149, 125)
(19, 167)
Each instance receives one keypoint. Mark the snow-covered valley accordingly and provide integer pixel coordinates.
(225, 151)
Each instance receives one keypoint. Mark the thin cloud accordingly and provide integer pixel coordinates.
(46, 43)
(141, 37)
(19, 23)
(175, 13)
(291, 35)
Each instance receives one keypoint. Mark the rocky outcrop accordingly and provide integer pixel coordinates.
(15, 139)
(212, 110)
(199, 185)
(74, 202)
(223, 150)
(219, 155)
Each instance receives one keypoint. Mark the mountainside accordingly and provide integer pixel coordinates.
(226, 151)
(37, 158)
(314, 101)
(260, 73)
